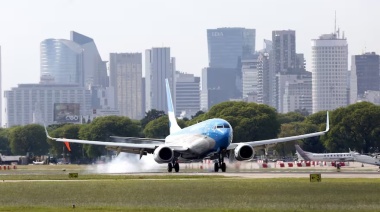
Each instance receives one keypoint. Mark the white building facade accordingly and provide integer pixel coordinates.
(34, 103)
(158, 66)
(187, 95)
(329, 72)
(126, 79)
(252, 77)
(297, 95)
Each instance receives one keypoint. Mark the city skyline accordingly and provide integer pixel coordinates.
(119, 26)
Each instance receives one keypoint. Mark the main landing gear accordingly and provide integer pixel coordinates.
(220, 164)
(174, 165)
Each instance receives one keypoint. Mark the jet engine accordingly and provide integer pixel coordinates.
(163, 154)
(244, 152)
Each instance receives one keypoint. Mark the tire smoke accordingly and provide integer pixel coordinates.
(129, 163)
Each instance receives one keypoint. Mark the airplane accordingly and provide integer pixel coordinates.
(209, 139)
(366, 159)
(328, 157)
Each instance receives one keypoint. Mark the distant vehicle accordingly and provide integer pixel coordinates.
(366, 159)
(38, 162)
(210, 139)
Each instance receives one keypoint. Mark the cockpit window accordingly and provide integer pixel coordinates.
(226, 125)
(219, 126)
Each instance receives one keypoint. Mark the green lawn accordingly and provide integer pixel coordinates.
(179, 193)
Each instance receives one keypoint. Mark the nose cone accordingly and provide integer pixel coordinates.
(226, 136)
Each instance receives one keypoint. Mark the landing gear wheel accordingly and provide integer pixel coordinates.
(223, 167)
(176, 167)
(170, 167)
(216, 167)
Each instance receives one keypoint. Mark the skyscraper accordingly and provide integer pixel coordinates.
(158, 67)
(284, 50)
(226, 49)
(126, 79)
(227, 46)
(297, 93)
(94, 68)
(73, 61)
(252, 77)
(62, 60)
(329, 72)
(1, 92)
(365, 75)
(187, 94)
(217, 86)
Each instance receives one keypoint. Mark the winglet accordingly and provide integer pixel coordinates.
(172, 120)
(327, 122)
(47, 134)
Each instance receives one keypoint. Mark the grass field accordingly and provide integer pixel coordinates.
(184, 193)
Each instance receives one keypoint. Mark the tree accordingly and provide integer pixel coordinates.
(102, 128)
(151, 115)
(356, 126)
(159, 128)
(317, 118)
(298, 128)
(4, 142)
(290, 117)
(303, 112)
(70, 131)
(198, 114)
(29, 138)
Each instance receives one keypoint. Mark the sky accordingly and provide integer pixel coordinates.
(134, 26)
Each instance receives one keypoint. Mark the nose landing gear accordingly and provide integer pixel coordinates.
(220, 163)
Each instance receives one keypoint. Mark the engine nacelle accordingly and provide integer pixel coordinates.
(244, 152)
(163, 154)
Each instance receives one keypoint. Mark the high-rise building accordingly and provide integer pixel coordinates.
(187, 95)
(1, 92)
(74, 61)
(252, 76)
(329, 72)
(365, 75)
(269, 75)
(35, 103)
(297, 93)
(226, 49)
(62, 60)
(126, 79)
(217, 86)
(158, 66)
(226, 46)
(94, 68)
(284, 50)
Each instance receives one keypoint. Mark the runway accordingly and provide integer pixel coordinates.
(273, 174)
(243, 171)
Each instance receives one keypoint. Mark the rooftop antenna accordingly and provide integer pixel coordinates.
(335, 24)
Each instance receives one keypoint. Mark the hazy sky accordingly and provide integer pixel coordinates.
(133, 26)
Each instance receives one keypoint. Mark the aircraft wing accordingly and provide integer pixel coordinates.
(137, 148)
(139, 140)
(264, 143)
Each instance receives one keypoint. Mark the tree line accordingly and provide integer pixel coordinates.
(355, 127)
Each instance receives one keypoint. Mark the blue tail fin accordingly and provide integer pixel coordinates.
(172, 120)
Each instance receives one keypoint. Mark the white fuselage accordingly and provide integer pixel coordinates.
(325, 156)
(366, 159)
